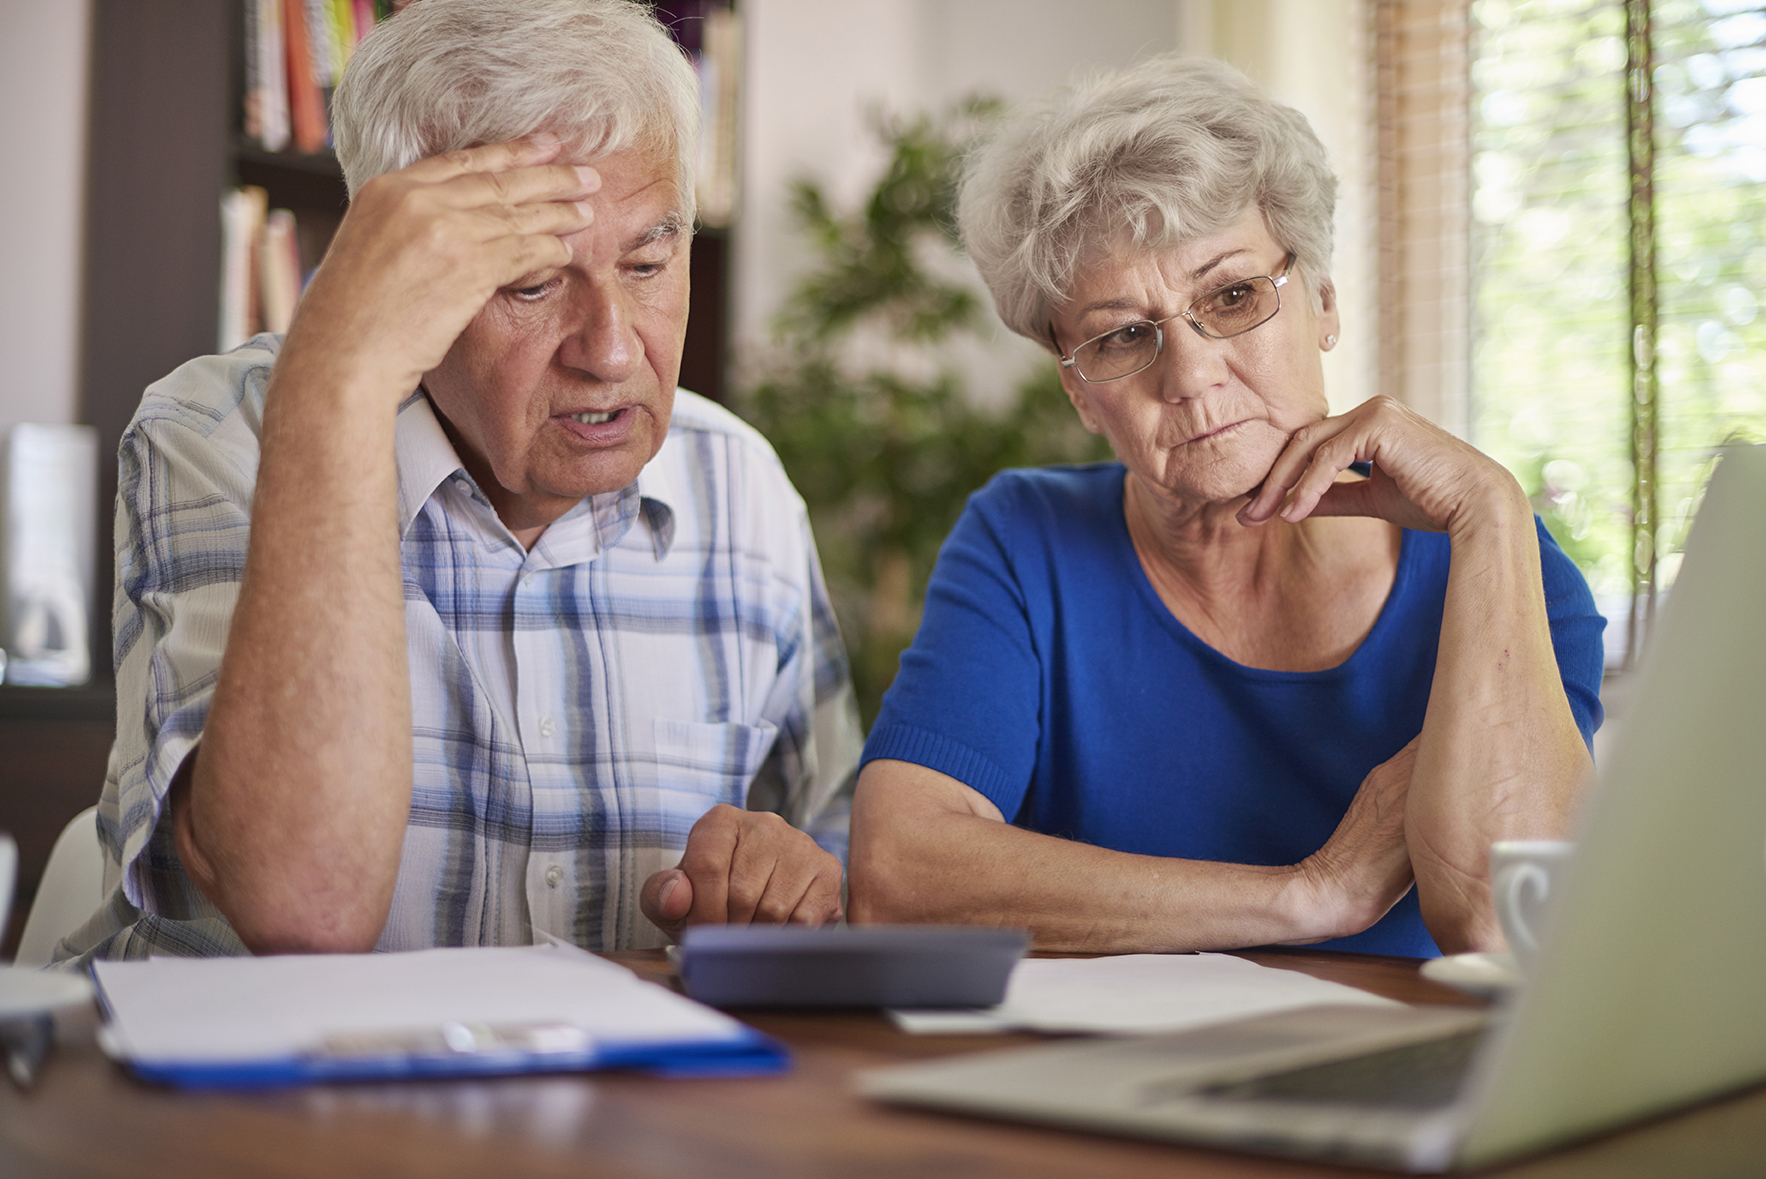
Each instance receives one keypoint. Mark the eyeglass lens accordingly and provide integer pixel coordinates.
(1222, 314)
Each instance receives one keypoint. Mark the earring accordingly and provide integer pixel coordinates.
(1330, 341)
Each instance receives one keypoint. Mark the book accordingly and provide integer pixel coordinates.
(266, 72)
(720, 77)
(279, 270)
(242, 222)
(305, 99)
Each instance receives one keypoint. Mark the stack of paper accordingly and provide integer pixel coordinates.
(285, 1020)
(1135, 994)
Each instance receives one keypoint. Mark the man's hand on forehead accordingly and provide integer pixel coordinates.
(421, 250)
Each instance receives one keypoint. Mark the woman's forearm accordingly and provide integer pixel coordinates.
(925, 848)
(1500, 755)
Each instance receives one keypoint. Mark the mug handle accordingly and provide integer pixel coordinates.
(1517, 881)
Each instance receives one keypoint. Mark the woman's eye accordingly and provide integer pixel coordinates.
(1129, 336)
(1227, 298)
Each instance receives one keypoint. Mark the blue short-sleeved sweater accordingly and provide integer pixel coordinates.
(1049, 676)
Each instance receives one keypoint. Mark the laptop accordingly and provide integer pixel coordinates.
(1648, 992)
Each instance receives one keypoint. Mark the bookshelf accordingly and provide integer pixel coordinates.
(165, 140)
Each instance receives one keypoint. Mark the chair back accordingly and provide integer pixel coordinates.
(71, 890)
(8, 870)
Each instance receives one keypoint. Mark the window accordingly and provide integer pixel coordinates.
(1618, 245)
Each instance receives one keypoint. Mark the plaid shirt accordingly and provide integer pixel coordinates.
(576, 707)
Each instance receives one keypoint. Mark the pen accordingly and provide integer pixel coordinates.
(26, 1042)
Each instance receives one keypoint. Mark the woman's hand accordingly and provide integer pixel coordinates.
(1364, 867)
(1423, 477)
(422, 250)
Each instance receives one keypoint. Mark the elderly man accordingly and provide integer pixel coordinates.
(447, 620)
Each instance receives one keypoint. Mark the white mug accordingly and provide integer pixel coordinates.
(1524, 876)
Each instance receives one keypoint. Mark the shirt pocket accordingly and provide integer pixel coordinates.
(696, 766)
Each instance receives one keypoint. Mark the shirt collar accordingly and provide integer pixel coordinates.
(426, 457)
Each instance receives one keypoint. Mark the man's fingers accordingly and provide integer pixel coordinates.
(542, 147)
(754, 875)
(749, 867)
(820, 903)
(711, 849)
(519, 186)
(666, 899)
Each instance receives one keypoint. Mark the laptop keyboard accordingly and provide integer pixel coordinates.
(1417, 1076)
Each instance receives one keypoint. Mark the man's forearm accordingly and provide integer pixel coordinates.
(299, 793)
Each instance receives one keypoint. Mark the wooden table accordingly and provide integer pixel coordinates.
(87, 1118)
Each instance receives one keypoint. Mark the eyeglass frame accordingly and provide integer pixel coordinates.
(1071, 360)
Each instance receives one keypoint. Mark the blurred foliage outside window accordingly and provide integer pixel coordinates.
(1552, 387)
(872, 421)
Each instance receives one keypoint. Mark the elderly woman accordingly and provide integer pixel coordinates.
(1228, 690)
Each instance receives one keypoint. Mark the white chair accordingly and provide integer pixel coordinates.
(8, 869)
(71, 890)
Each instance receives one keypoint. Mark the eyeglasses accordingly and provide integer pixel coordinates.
(1221, 314)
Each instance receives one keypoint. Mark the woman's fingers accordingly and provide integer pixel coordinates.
(1421, 474)
(1299, 459)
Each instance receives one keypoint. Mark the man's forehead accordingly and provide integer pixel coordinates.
(640, 193)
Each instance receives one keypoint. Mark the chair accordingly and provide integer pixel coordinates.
(71, 890)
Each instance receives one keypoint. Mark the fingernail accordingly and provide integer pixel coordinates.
(544, 140)
(668, 886)
(591, 179)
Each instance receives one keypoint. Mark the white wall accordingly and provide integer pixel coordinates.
(43, 68)
(814, 68)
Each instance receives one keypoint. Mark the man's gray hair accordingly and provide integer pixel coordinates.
(1155, 156)
(602, 75)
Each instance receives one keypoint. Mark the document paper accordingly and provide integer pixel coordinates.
(1135, 994)
(191, 1020)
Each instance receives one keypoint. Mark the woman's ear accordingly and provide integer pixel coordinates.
(1330, 324)
(1074, 387)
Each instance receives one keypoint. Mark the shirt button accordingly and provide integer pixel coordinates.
(546, 726)
(554, 876)
(527, 578)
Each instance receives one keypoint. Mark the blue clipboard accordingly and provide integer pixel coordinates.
(754, 1054)
(252, 1023)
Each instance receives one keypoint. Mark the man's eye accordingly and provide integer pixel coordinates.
(538, 291)
(646, 269)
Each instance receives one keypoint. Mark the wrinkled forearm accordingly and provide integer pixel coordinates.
(919, 855)
(1500, 755)
(293, 817)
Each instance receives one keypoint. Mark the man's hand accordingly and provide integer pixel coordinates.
(744, 867)
(421, 250)
(1364, 867)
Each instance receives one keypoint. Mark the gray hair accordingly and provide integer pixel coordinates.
(1169, 151)
(441, 75)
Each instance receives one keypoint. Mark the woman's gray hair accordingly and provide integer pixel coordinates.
(1169, 151)
(602, 75)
